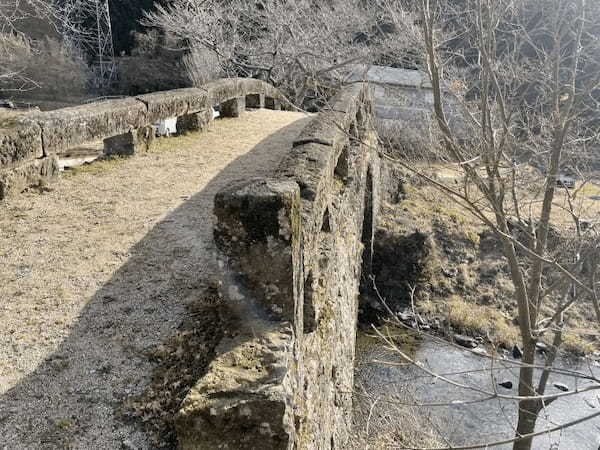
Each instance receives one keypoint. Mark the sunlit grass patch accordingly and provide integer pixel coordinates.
(484, 320)
(589, 190)
(181, 142)
(574, 342)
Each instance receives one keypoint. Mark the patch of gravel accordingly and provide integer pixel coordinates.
(98, 271)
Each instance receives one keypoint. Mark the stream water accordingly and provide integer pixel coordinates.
(459, 423)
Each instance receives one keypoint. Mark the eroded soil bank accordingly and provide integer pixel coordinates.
(437, 261)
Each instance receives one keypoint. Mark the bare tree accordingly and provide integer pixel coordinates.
(13, 50)
(524, 84)
(300, 46)
(13, 45)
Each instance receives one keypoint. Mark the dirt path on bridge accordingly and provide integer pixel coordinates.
(98, 270)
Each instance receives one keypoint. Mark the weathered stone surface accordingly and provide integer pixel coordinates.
(255, 101)
(324, 129)
(20, 139)
(177, 102)
(338, 122)
(234, 107)
(297, 243)
(194, 122)
(393, 180)
(128, 144)
(349, 100)
(68, 127)
(392, 76)
(309, 165)
(273, 103)
(220, 91)
(465, 341)
(254, 86)
(258, 230)
(245, 389)
(335, 236)
(29, 173)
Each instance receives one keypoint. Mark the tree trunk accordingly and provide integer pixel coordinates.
(528, 409)
(528, 413)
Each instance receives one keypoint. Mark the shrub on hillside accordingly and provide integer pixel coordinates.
(57, 71)
(44, 68)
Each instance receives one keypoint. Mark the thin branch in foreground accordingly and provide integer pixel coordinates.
(515, 439)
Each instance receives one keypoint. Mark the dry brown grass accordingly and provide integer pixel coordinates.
(97, 167)
(530, 190)
(479, 319)
(426, 203)
(6, 114)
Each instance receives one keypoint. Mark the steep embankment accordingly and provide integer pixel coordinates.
(432, 255)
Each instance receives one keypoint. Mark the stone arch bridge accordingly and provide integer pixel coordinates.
(292, 246)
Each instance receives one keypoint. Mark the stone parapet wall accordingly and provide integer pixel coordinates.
(40, 135)
(292, 249)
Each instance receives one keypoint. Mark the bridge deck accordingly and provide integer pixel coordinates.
(99, 269)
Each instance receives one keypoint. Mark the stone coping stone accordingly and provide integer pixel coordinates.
(20, 140)
(174, 103)
(331, 126)
(51, 132)
(68, 127)
(348, 99)
(222, 90)
(228, 88)
(253, 85)
(258, 228)
(309, 165)
(327, 128)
